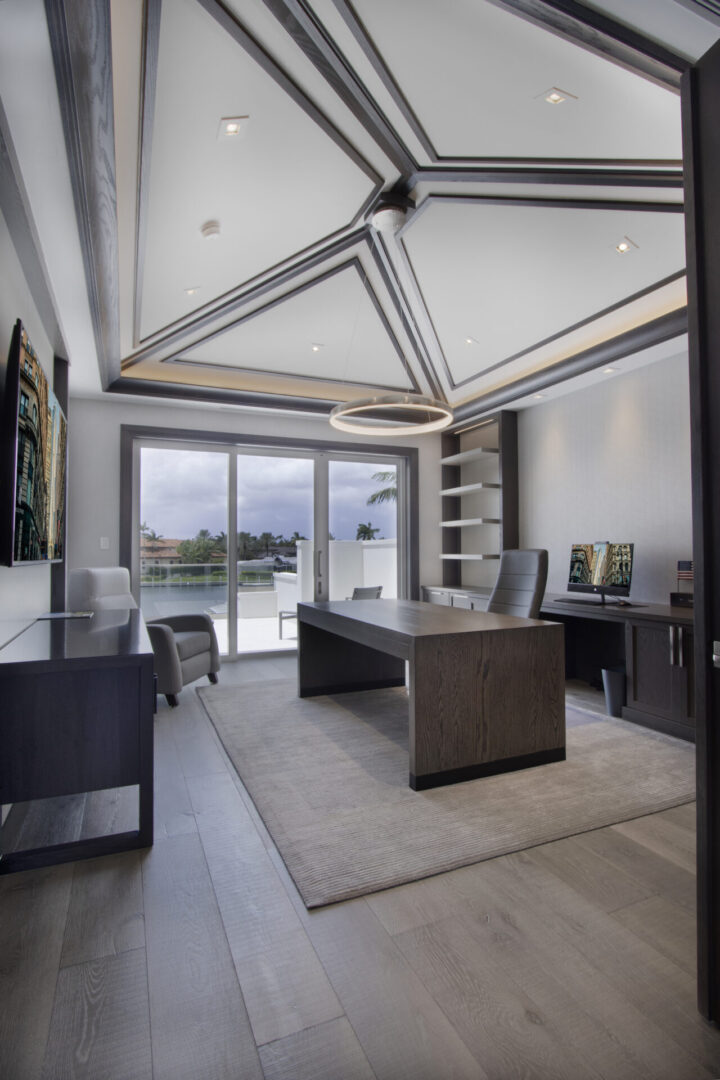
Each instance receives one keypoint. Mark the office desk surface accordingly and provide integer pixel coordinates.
(554, 604)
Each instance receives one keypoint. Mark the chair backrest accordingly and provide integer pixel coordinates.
(100, 588)
(367, 592)
(520, 584)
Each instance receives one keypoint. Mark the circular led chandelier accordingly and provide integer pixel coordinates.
(392, 414)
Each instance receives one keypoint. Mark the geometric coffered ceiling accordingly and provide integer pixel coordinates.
(506, 265)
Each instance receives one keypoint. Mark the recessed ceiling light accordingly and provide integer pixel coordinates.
(626, 245)
(232, 127)
(608, 370)
(556, 96)
(470, 341)
(317, 346)
(538, 395)
(192, 290)
(210, 230)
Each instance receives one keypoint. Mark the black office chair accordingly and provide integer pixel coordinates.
(520, 584)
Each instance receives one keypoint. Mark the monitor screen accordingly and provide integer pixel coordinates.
(601, 567)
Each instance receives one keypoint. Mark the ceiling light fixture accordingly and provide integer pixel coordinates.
(470, 341)
(392, 414)
(625, 245)
(317, 346)
(210, 230)
(192, 290)
(388, 219)
(232, 128)
(556, 96)
(608, 370)
(538, 395)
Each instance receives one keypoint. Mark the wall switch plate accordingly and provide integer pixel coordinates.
(104, 543)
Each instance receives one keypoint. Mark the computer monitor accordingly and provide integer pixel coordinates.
(601, 568)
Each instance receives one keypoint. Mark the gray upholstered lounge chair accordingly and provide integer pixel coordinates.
(520, 584)
(366, 592)
(184, 646)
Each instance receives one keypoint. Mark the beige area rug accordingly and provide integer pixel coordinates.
(329, 776)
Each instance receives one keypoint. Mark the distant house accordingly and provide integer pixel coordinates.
(161, 552)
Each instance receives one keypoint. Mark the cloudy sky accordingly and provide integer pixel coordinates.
(184, 491)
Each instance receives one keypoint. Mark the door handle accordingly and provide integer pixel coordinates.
(671, 631)
(681, 661)
(716, 654)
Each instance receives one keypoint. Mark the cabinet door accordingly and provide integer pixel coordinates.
(436, 596)
(649, 654)
(660, 674)
(462, 600)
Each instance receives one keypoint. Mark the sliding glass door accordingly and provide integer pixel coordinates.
(244, 533)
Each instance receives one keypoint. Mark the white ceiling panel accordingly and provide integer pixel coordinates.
(509, 277)
(474, 76)
(331, 329)
(281, 187)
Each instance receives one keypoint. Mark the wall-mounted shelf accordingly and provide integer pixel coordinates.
(465, 489)
(483, 458)
(470, 455)
(471, 558)
(462, 522)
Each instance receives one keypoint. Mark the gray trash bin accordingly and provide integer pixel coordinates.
(614, 686)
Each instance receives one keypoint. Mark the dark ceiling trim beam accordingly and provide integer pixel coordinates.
(152, 12)
(603, 35)
(220, 396)
(636, 340)
(15, 207)
(81, 49)
(177, 336)
(557, 173)
(405, 311)
(300, 22)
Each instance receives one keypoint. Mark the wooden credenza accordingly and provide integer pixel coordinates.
(77, 716)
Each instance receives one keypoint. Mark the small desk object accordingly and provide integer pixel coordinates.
(486, 691)
(77, 716)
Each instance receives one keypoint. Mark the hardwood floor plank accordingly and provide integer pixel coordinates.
(199, 1023)
(667, 927)
(33, 909)
(51, 821)
(197, 748)
(507, 1031)
(685, 816)
(646, 999)
(101, 1025)
(664, 837)
(657, 873)
(105, 916)
(173, 811)
(283, 983)
(591, 876)
(403, 1032)
(329, 1051)
(415, 904)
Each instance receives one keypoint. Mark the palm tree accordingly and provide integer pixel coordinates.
(366, 532)
(386, 494)
(266, 539)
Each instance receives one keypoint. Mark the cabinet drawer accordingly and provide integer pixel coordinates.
(436, 596)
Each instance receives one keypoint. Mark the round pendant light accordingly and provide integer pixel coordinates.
(392, 414)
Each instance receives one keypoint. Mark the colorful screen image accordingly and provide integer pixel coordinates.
(601, 565)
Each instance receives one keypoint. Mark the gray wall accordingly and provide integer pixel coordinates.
(24, 590)
(94, 481)
(612, 462)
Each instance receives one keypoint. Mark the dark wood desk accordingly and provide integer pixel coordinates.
(77, 716)
(486, 692)
(654, 644)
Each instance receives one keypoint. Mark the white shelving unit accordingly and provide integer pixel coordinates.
(479, 501)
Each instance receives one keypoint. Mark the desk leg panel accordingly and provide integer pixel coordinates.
(481, 698)
(330, 664)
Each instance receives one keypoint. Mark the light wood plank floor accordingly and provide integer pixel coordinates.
(196, 960)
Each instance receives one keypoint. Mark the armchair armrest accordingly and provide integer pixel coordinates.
(198, 621)
(166, 660)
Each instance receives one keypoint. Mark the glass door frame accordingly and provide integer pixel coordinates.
(134, 437)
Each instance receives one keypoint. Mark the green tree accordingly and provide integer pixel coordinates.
(386, 494)
(265, 540)
(366, 532)
(199, 550)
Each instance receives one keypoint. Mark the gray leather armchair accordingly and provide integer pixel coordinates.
(185, 648)
(520, 584)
